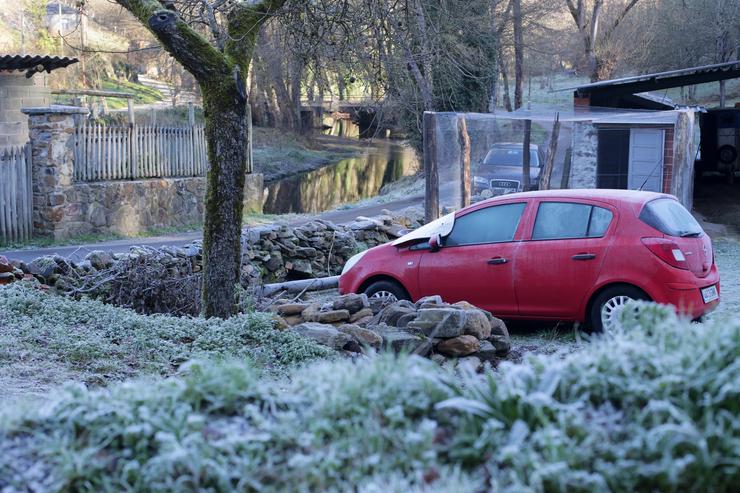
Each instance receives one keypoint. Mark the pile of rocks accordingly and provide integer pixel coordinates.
(9, 272)
(429, 327)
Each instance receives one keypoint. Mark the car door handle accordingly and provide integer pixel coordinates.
(584, 256)
(498, 260)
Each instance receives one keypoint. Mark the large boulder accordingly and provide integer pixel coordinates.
(477, 324)
(442, 322)
(351, 302)
(463, 345)
(326, 335)
(393, 312)
(364, 336)
(398, 340)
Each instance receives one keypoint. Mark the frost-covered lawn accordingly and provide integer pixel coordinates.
(46, 340)
(654, 408)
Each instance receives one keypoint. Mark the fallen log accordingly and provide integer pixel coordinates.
(316, 284)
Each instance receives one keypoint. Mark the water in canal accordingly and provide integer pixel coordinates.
(349, 180)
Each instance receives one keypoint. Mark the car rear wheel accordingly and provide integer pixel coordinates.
(607, 305)
(388, 291)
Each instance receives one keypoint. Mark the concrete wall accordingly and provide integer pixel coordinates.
(63, 208)
(16, 92)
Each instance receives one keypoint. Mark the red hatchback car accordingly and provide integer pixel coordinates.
(573, 255)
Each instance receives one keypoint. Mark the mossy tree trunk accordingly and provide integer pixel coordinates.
(220, 68)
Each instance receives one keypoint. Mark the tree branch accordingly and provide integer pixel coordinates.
(619, 19)
(193, 51)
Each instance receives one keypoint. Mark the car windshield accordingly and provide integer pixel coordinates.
(510, 156)
(669, 217)
(443, 226)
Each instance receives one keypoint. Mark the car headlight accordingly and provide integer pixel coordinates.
(353, 261)
(480, 180)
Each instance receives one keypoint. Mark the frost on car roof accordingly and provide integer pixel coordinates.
(443, 226)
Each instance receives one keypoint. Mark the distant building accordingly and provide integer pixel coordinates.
(23, 84)
(61, 17)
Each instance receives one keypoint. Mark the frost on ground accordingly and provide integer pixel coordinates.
(655, 407)
(46, 340)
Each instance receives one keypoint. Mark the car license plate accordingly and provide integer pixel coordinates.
(505, 184)
(709, 293)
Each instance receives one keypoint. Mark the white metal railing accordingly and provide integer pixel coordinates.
(105, 152)
(16, 197)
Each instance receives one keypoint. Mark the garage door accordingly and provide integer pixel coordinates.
(646, 159)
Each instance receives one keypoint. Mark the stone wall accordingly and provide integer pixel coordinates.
(16, 92)
(585, 156)
(63, 208)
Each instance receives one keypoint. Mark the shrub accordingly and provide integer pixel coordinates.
(93, 342)
(652, 408)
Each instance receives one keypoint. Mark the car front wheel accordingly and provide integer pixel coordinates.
(388, 291)
(607, 305)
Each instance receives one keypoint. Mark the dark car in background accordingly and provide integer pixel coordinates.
(501, 171)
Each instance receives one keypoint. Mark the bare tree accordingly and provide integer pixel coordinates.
(596, 40)
(518, 54)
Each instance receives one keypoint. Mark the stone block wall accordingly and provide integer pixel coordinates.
(16, 92)
(63, 208)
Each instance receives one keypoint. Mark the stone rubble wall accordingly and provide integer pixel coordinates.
(270, 253)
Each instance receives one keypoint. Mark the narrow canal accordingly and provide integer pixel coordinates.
(381, 162)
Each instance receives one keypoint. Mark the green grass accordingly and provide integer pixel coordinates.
(142, 93)
(652, 407)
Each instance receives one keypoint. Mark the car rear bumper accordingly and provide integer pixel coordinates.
(687, 297)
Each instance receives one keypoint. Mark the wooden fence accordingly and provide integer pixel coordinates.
(131, 152)
(16, 196)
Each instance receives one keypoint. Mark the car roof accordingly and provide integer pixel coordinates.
(633, 197)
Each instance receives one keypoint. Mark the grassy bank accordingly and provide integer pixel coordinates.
(280, 153)
(652, 408)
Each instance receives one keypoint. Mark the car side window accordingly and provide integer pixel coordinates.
(490, 225)
(561, 220)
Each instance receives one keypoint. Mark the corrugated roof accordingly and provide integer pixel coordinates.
(719, 70)
(32, 64)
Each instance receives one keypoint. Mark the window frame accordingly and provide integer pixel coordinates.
(517, 231)
(564, 200)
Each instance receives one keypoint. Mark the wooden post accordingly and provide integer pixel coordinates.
(566, 168)
(551, 150)
(526, 158)
(131, 117)
(431, 173)
(464, 140)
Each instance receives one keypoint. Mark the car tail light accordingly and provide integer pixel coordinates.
(668, 251)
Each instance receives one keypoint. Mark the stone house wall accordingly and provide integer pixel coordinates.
(63, 208)
(16, 92)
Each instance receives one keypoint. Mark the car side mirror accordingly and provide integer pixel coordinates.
(435, 242)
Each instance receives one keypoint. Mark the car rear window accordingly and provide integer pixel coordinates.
(669, 217)
(490, 225)
(562, 220)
